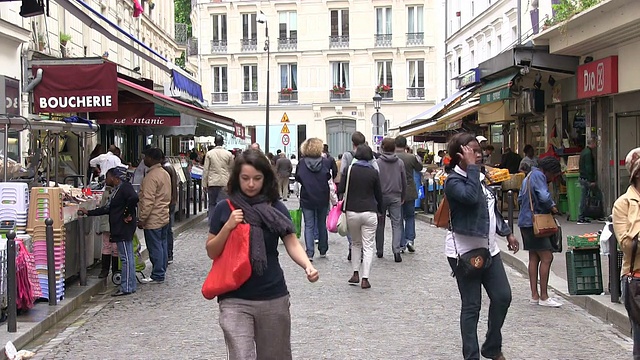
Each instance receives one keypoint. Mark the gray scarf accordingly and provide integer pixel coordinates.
(260, 214)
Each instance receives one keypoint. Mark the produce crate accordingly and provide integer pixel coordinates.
(584, 272)
(580, 241)
(573, 163)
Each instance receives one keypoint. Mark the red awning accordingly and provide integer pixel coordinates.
(172, 103)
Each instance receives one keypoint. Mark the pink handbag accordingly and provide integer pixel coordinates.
(333, 217)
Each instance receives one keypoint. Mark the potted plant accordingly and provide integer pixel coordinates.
(64, 38)
(383, 89)
(337, 89)
(286, 91)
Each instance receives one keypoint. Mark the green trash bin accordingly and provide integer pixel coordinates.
(574, 192)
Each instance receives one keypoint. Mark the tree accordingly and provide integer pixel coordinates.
(183, 16)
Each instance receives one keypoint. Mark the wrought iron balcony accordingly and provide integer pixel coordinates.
(288, 97)
(287, 43)
(218, 46)
(249, 44)
(219, 97)
(386, 95)
(192, 46)
(249, 97)
(339, 95)
(415, 93)
(383, 40)
(415, 38)
(338, 41)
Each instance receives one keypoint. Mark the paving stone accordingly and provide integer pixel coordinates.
(411, 312)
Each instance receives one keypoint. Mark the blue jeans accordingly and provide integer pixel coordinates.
(495, 282)
(409, 228)
(129, 282)
(172, 216)
(156, 240)
(315, 218)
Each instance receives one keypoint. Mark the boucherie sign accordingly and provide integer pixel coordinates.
(77, 88)
(598, 78)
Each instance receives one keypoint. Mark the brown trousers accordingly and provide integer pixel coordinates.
(256, 330)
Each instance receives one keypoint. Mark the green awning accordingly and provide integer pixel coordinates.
(164, 111)
(498, 89)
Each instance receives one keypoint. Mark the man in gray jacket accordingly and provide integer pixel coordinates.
(393, 180)
(411, 164)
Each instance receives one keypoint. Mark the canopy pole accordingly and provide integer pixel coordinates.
(6, 149)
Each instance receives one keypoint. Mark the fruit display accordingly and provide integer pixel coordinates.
(496, 175)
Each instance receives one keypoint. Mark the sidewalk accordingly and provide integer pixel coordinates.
(597, 305)
(42, 316)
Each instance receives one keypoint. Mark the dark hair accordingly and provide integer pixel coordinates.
(255, 158)
(325, 148)
(550, 164)
(293, 156)
(339, 156)
(388, 144)
(490, 147)
(219, 140)
(527, 148)
(401, 141)
(455, 146)
(357, 138)
(364, 152)
(154, 154)
(440, 153)
(98, 150)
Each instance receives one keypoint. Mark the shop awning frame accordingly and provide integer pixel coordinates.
(177, 105)
(437, 109)
(497, 89)
(443, 122)
(34, 122)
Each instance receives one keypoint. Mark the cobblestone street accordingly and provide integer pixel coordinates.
(411, 312)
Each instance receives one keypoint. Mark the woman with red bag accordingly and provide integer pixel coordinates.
(255, 318)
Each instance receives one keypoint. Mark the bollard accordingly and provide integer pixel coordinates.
(195, 197)
(614, 270)
(510, 209)
(186, 203)
(12, 287)
(51, 263)
(180, 201)
(82, 247)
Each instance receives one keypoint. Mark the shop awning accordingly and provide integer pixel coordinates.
(223, 122)
(497, 89)
(435, 110)
(18, 123)
(448, 121)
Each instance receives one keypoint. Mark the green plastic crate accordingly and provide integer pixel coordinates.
(584, 272)
(577, 241)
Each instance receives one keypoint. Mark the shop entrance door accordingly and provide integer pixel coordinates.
(628, 138)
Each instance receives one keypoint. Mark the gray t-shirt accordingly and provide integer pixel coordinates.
(348, 159)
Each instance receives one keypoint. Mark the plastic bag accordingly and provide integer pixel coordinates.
(605, 237)
(13, 354)
(333, 217)
(296, 218)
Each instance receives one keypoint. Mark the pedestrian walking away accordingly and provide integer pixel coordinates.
(284, 168)
(411, 164)
(360, 186)
(313, 173)
(535, 198)
(393, 182)
(155, 197)
(255, 318)
(475, 222)
(121, 208)
(218, 163)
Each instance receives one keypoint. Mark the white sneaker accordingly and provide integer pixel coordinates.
(534, 301)
(151, 281)
(550, 302)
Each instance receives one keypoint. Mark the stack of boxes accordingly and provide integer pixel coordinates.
(14, 207)
(47, 203)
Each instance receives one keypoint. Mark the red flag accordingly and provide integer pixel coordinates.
(137, 8)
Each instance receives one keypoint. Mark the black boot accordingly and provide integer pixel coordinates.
(115, 265)
(106, 262)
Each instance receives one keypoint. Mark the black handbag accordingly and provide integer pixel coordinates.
(594, 208)
(632, 288)
(556, 240)
(473, 263)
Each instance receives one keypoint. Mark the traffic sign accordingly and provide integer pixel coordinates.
(285, 118)
(377, 119)
(377, 140)
(285, 129)
(285, 139)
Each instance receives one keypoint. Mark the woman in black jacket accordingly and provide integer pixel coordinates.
(121, 208)
(361, 183)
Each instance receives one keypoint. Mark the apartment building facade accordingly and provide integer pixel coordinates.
(61, 34)
(327, 60)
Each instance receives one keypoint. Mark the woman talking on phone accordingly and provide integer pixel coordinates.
(471, 248)
(255, 318)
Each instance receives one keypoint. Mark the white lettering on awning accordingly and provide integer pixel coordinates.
(72, 102)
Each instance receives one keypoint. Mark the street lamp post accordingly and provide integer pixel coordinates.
(379, 118)
(262, 19)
